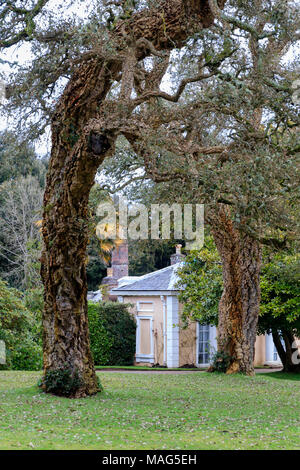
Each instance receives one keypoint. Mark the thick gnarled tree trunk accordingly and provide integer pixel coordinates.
(82, 136)
(65, 323)
(239, 304)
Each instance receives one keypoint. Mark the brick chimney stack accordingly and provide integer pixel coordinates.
(119, 260)
(119, 264)
(178, 256)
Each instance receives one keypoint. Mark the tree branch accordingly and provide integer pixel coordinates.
(27, 33)
(173, 98)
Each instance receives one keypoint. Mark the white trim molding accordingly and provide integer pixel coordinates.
(162, 298)
(139, 309)
(270, 351)
(172, 331)
(143, 293)
(212, 341)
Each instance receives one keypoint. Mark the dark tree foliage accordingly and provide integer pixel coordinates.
(146, 256)
(98, 251)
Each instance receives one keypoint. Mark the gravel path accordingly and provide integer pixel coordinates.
(173, 372)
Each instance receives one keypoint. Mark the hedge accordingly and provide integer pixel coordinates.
(18, 331)
(112, 333)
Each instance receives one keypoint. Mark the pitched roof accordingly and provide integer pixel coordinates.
(95, 296)
(162, 280)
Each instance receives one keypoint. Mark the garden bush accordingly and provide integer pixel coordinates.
(112, 333)
(17, 327)
(61, 382)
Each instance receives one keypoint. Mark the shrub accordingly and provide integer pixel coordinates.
(34, 302)
(61, 382)
(220, 361)
(27, 355)
(16, 329)
(112, 333)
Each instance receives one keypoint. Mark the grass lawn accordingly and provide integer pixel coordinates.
(148, 411)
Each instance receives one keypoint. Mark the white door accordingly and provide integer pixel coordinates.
(144, 339)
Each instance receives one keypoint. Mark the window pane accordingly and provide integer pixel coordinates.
(203, 344)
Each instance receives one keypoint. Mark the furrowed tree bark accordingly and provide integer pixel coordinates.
(239, 304)
(79, 145)
(76, 154)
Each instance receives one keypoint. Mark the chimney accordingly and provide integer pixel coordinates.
(119, 264)
(109, 272)
(178, 256)
(119, 259)
(119, 268)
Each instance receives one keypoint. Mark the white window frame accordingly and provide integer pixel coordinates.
(270, 350)
(144, 357)
(197, 345)
(139, 309)
(212, 343)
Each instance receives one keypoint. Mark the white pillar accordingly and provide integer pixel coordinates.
(172, 331)
(162, 297)
(212, 342)
(269, 348)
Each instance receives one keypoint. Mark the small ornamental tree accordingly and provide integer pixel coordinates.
(200, 279)
(280, 308)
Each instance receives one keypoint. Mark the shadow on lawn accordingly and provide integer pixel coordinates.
(282, 375)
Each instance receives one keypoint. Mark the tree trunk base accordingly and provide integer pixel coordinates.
(233, 369)
(64, 382)
(295, 369)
